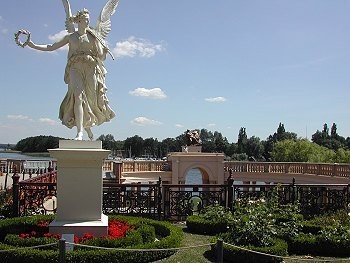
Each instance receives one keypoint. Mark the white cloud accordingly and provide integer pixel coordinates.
(48, 121)
(58, 36)
(211, 125)
(143, 121)
(18, 117)
(133, 47)
(155, 93)
(216, 99)
(179, 125)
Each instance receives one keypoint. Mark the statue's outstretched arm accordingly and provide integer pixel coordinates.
(50, 47)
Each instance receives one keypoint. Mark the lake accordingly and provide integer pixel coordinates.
(20, 156)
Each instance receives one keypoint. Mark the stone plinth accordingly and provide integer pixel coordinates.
(192, 148)
(79, 188)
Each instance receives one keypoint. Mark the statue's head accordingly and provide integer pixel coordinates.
(82, 14)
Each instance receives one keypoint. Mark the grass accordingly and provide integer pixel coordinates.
(201, 254)
(193, 254)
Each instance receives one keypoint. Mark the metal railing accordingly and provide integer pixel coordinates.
(166, 201)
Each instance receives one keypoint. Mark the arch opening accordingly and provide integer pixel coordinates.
(194, 176)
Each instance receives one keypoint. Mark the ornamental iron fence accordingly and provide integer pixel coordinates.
(132, 199)
(176, 202)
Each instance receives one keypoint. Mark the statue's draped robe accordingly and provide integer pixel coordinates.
(85, 66)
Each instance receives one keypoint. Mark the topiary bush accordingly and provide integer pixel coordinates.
(146, 234)
(198, 225)
(212, 220)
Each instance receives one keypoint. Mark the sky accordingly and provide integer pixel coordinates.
(186, 64)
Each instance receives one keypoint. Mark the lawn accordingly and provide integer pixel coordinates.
(201, 254)
(194, 254)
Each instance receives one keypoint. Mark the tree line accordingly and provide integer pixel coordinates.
(281, 146)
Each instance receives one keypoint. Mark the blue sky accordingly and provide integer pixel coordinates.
(187, 64)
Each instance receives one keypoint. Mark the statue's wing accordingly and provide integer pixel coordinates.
(103, 26)
(69, 24)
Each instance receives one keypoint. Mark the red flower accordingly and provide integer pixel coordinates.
(42, 223)
(47, 235)
(24, 235)
(116, 229)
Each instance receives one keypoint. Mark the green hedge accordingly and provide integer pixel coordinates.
(233, 254)
(311, 227)
(334, 246)
(199, 225)
(168, 235)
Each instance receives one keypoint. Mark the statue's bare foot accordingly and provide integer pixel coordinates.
(89, 133)
(79, 136)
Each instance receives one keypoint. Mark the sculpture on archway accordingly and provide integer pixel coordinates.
(192, 138)
(85, 104)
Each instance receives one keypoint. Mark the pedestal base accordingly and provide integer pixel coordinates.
(79, 188)
(192, 149)
(79, 228)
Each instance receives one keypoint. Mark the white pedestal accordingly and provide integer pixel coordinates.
(79, 188)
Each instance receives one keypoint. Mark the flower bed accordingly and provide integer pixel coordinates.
(124, 232)
(265, 226)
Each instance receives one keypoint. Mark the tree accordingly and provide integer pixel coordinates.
(168, 145)
(301, 150)
(151, 146)
(108, 142)
(242, 140)
(37, 144)
(208, 141)
(334, 133)
(220, 142)
(330, 141)
(134, 145)
(279, 135)
(254, 148)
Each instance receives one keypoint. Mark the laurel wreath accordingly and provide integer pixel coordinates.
(18, 41)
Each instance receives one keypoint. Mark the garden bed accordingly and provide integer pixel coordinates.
(140, 234)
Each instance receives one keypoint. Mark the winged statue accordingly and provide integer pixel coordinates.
(103, 26)
(85, 104)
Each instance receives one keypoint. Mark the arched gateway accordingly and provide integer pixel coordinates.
(211, 165)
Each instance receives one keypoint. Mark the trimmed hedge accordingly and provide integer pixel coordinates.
(198, 225)
(316, 245)
(233, 254)
(168, 235)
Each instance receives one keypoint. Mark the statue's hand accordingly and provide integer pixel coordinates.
(31, 44)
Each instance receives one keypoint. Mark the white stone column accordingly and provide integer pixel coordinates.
(79, 188)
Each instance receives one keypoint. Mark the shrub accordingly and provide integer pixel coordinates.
(339, 217)
(253, 224)
(234, 254)
(216, 213)
(169, 236)
(303, 244)
(199, 225)
(325, 235)
(212, 220)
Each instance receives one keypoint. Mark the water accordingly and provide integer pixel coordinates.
(19, 156)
